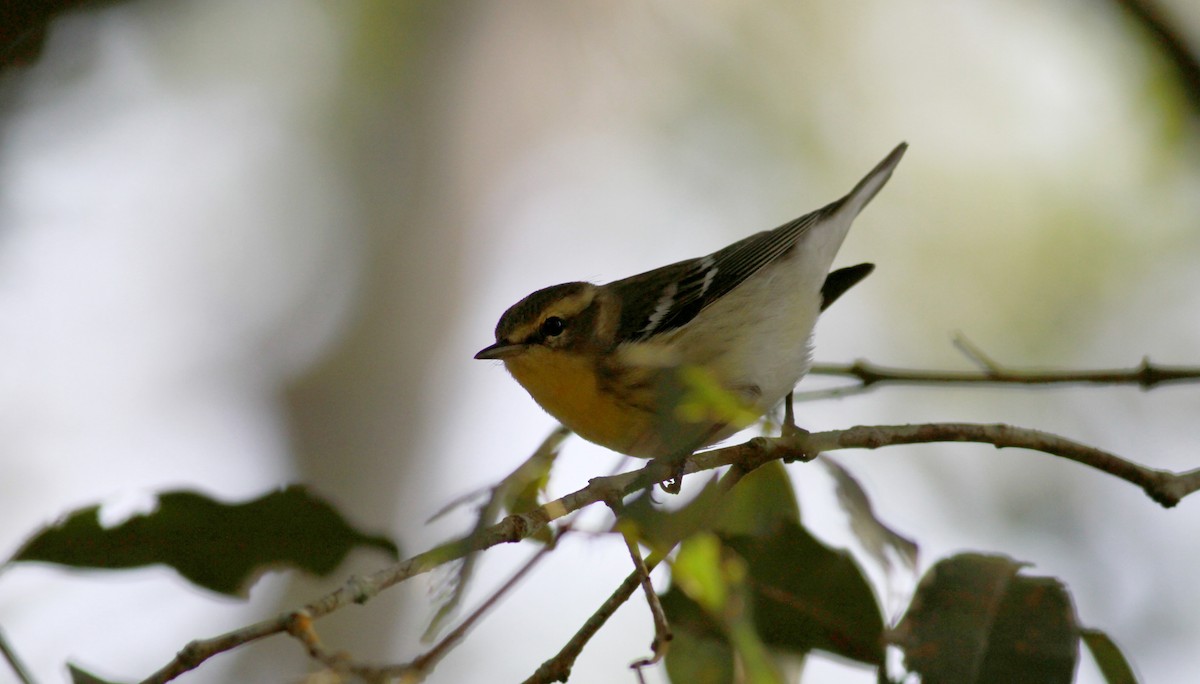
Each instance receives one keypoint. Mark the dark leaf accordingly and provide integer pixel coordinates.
(685, 614)
(943, 634)
(662, 529)
(24, 24)
(698, 659)
(715, 578)
(805, 596)
(809, 596)
(759, 503)
(215, 545)
(1113, 665)
(975, 620)
(1034, 637)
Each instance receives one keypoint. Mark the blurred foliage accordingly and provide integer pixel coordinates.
(221, 547)
(974, 619)
(801, 595)
(519, 492)
(742, 584)
(1113, 665)
(23, 26)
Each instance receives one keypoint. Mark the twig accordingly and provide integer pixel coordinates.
(355, 590)
(558, 668)
(662, 630)
(301, 627)
(1164, 487)
(1146, 375)
(974, 353)
(422, 664)
(14, 661)
(417, 669)
(499, 497)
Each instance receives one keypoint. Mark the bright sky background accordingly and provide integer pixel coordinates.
(247, 244)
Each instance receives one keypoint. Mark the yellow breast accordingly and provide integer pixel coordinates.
(568, 388)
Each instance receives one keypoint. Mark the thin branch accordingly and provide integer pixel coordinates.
(1164, 487)
(421, 665)
(558, 668)
(355, 590)
(499, 496)
(14, 662)
(301, 627)
(975, 353)
(1146, 375)
(662, 630)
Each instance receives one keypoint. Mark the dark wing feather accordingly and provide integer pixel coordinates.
(667, 298)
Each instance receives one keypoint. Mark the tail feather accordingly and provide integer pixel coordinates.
(873, 182)
(837, 282)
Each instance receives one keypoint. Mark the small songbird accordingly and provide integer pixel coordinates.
(628, 365)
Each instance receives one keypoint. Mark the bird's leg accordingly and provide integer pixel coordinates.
(789, 426)
(789, 429)
(679, 463)
(678, 460)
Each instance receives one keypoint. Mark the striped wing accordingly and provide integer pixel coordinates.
(668, 298)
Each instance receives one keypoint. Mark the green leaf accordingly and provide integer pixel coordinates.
(662, 529)
(81, 676)
(757, 664)
(715, 579)
(684, 614)
(701, 652)
(975, 620)
(218, 546)
(699, 571)
(520, 491)
(705, 399)
(808, 596)
(765, 583)
(1112, 663)
(696, 659)
(759, 503)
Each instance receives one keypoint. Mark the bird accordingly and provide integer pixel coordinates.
(667, 362)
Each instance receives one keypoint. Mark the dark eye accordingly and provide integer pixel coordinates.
(553, 327)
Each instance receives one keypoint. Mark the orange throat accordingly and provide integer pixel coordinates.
(567, 387)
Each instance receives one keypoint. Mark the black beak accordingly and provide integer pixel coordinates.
(500, 350)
